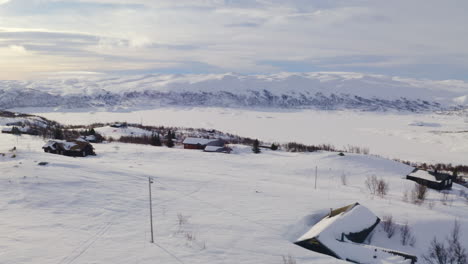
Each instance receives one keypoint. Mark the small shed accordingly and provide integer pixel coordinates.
(217, 149)
(432, 179)
(201, 143)
(69, 147)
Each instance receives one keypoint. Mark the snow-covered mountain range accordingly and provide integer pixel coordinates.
(320, 90)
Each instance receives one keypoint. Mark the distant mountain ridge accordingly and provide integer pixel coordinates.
(320, 90)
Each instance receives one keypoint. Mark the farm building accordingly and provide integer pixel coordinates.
(69, 148)
(433, 180)
(201, 143)
(340, 234)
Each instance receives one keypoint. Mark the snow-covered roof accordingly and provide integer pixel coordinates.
(422, 174)
(197, 141)
(332, 232)
(50, 144)
(353, 220)
(67, 145)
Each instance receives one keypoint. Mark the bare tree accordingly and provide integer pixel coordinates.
(407, 237)
(418, 193)
(344, 180)
(457, 253)
(376, 186)
(437, 253)
(371, 184)
(289, 260)
(382, 188)
(453, 253)
(388, 225)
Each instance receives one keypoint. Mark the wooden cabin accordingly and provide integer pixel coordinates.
(340, 234)
(75, 148)
(218, 149)
(431, 179)
(201, 143)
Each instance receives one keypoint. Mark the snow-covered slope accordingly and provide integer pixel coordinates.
(208, 208)
(322, 90)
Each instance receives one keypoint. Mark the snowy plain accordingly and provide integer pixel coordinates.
(424, 137)
(208, 207)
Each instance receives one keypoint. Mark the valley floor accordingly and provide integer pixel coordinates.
(430, 138)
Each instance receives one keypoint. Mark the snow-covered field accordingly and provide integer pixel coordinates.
(416, 137)
(208, 207)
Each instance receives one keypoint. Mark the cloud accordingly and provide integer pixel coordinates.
(247, 36)
(18, 49)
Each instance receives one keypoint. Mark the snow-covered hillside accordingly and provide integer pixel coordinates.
(322, 90)
(208, 208)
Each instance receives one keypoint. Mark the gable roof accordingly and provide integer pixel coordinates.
(429, 175)
(345, 220)
(197, 141)
(340, 233)
(75, 145)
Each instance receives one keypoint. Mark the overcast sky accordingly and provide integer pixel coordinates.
(410, 38)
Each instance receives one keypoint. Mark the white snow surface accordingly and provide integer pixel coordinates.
(236, 208)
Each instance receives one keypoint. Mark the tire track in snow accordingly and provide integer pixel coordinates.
(84, 246)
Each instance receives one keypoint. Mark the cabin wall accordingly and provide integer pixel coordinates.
(191, 146)
(314, 245)
(429, 184)
(359, 237)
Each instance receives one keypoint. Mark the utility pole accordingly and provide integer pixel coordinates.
(316, 177)
(150, 181)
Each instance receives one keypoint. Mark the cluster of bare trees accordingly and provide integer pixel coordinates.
(391, 228)
(450, 251)
(377, 186)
